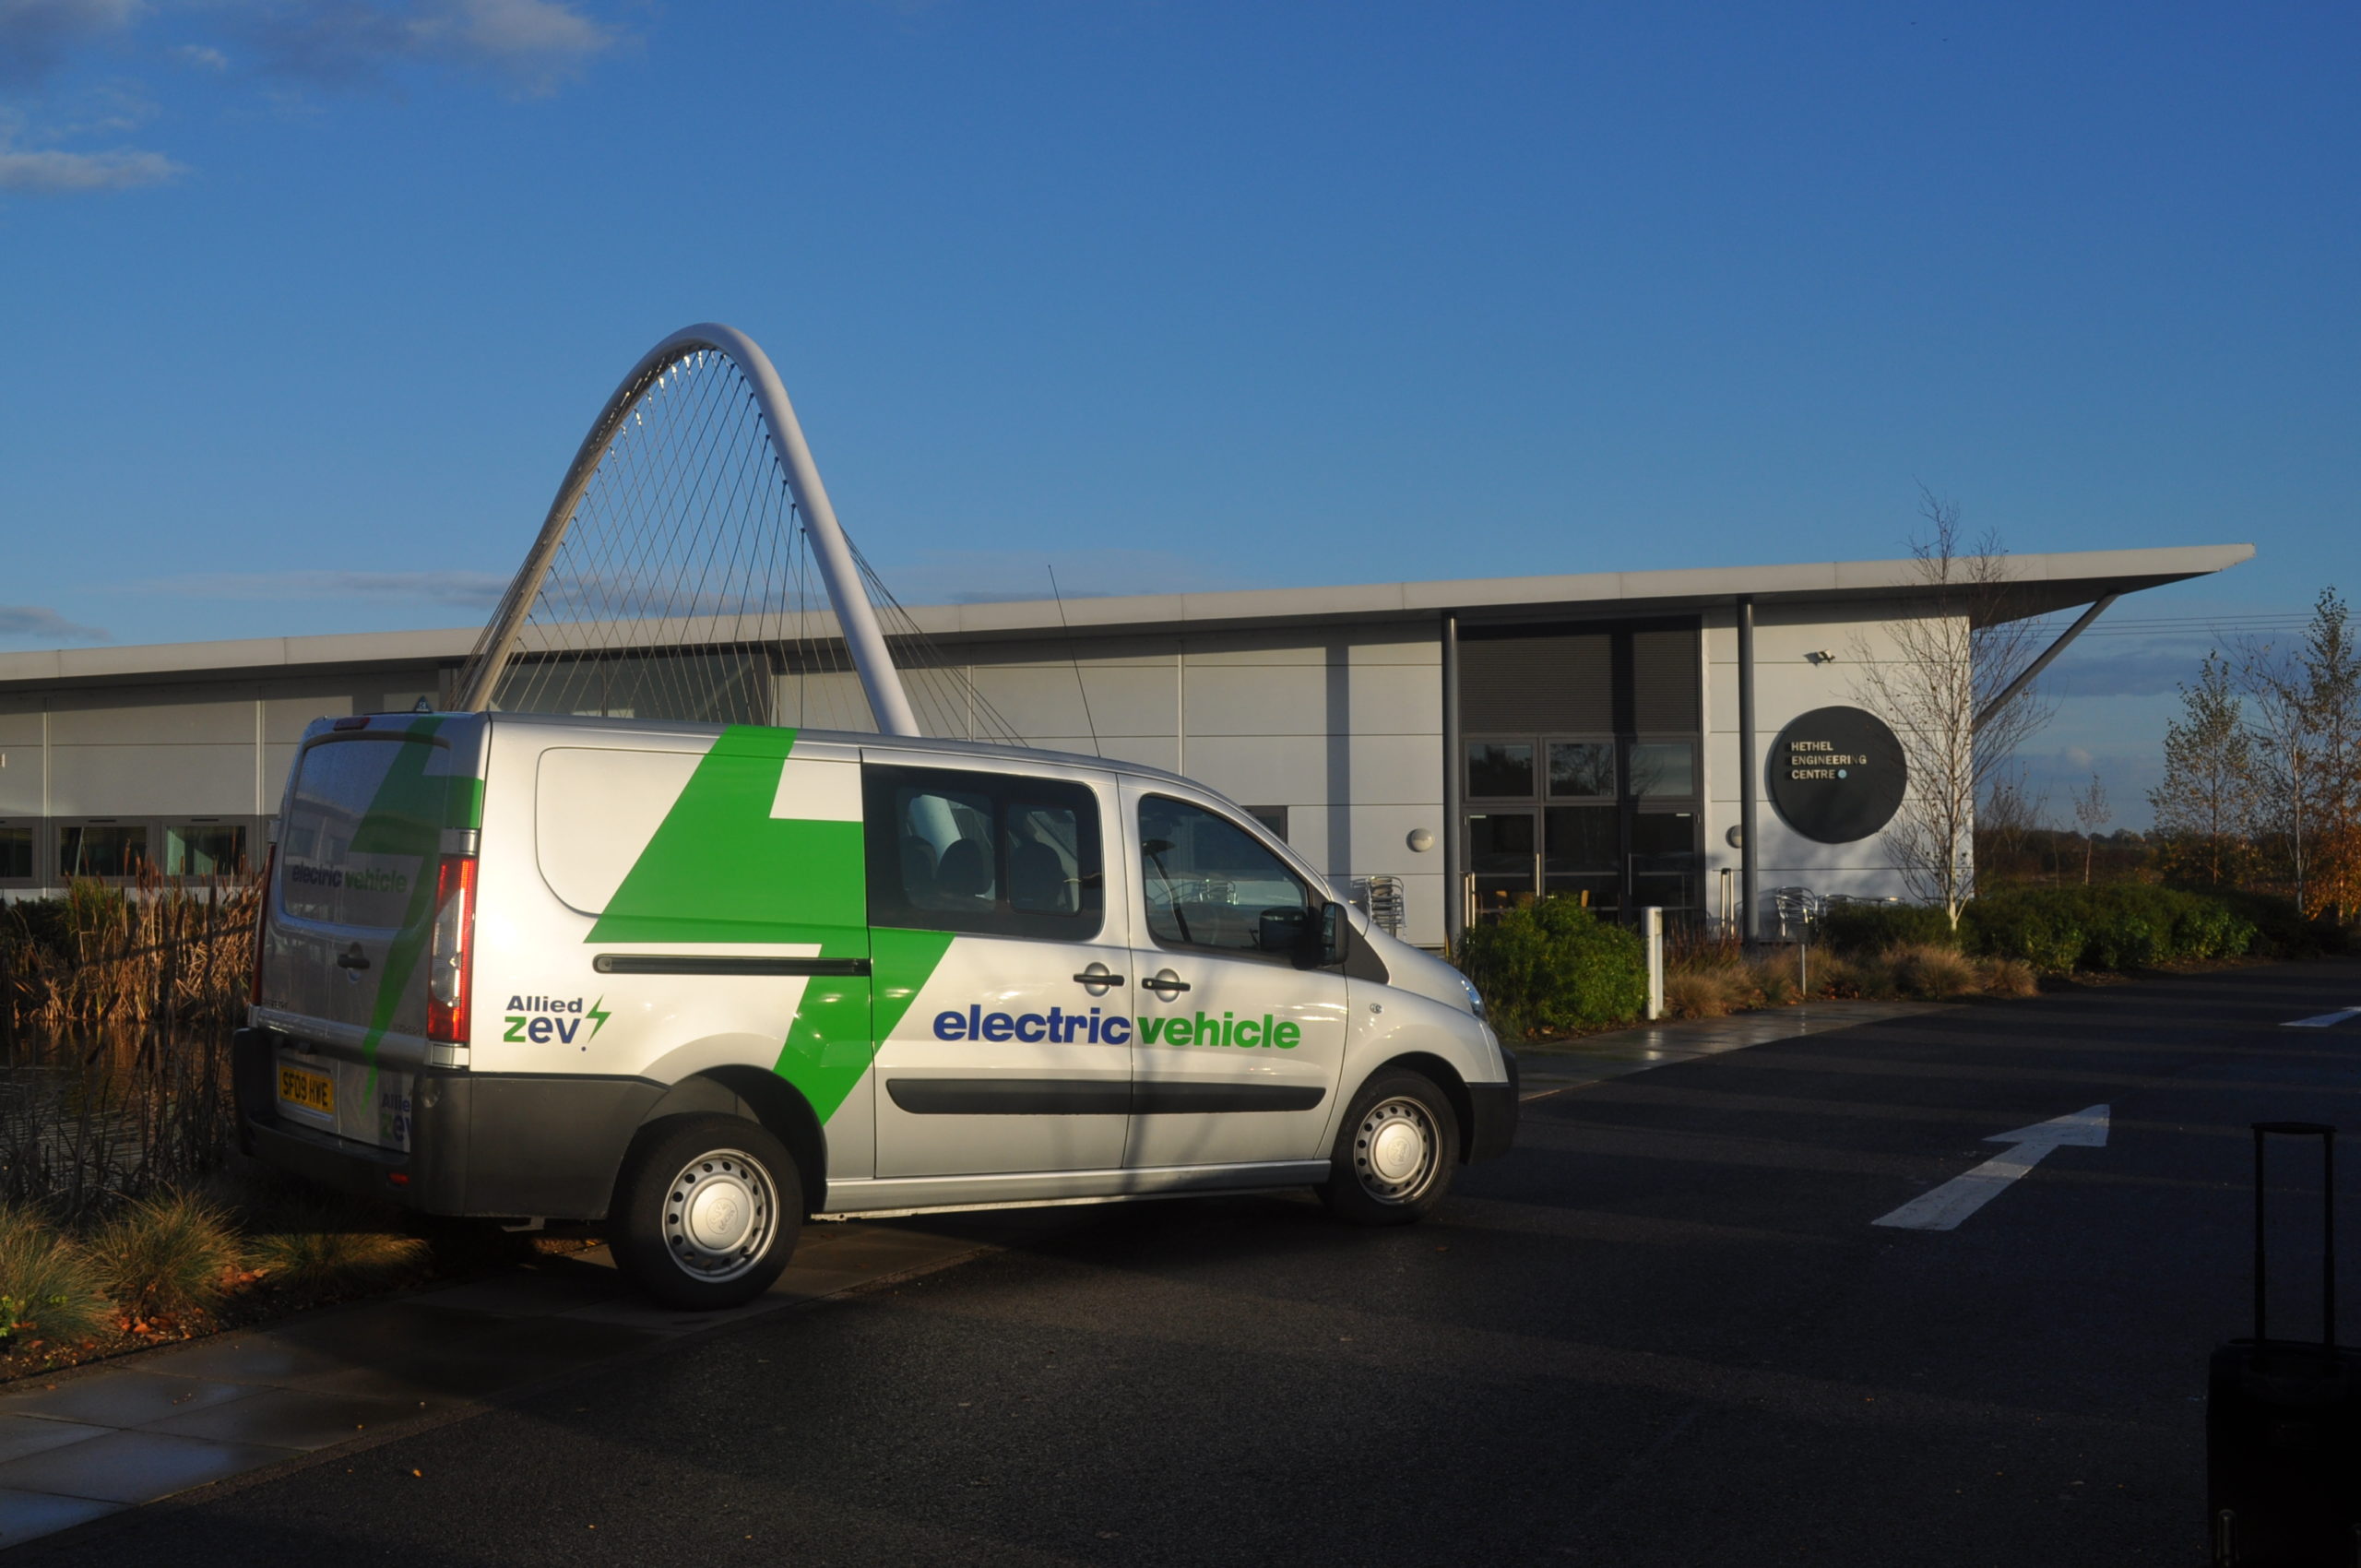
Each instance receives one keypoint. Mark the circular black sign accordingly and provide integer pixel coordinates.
(1837, 775)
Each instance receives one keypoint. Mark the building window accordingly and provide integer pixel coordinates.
(1582, 770)
(205, 848)
(1500, 770)
(103, 848)
(1664, 770)
(1273, 820)
(16, 852)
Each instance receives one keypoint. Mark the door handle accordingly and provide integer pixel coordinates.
(1165, 983)
(1099, 977)
(355, 959)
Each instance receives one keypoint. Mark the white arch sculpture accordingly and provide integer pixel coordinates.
(879, 679)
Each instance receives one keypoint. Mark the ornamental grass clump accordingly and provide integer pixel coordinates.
(165, 1256)
(336, 1260)
(48, 1289)
(1934, 973)
(1553, 967)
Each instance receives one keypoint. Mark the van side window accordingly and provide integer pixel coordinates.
(993, 854)
(1210, 884)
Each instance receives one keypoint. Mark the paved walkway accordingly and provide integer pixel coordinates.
(101, 1439)
(1547, 1069)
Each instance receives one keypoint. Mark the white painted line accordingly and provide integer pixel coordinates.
(2324, 1021)
(1945, 1206)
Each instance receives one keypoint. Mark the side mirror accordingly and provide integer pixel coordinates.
(1324, 938)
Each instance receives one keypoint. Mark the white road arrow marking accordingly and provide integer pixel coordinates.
(2325, 1020)
(1945, 1206)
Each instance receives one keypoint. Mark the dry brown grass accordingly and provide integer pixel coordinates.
(1937, 974)
(2008, 977)
(167, 949)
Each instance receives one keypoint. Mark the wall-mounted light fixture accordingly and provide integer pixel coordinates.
(1821, 656)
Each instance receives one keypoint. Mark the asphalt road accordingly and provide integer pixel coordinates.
(1663, 1331)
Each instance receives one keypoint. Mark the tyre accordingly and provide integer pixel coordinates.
(1395, 1153)
(706, 1211)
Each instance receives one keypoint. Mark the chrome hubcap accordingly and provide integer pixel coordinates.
(1394, 1150)
(720, 1215)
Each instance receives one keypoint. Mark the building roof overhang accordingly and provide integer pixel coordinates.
(2037, 585)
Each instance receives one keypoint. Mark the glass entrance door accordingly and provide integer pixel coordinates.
(1503, 860)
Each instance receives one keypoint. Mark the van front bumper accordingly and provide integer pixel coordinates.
(493, 1146)
(1493, 1110)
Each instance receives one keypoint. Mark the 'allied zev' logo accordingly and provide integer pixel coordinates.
(539, 1020)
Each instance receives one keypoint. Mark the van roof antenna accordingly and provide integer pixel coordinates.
(1076, 661)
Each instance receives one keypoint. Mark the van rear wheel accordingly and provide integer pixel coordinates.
(706, 1212)
(1396, 1153)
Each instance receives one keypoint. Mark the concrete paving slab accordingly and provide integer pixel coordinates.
(250, 1355)
(190, 1415)
(22, 1436)
(135, 1467)
(27, 1514)
(125, 1399)
(290, 1417)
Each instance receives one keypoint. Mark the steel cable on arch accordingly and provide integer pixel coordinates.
(691, 568)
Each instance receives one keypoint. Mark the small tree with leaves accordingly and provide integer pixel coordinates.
(2206, 802)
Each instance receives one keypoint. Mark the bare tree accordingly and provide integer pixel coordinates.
(2006, 818)
(2090, 815)
(2206, 802)
(1939, 685)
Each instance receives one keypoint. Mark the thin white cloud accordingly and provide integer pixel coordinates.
(53, 173)
(202, 55)
(36, 622)
(36, 36)
(535, 45)
(481, 588)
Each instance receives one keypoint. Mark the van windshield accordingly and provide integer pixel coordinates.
(364, 824)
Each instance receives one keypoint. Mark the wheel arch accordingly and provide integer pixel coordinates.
(1445, 1078)
(761, 1095)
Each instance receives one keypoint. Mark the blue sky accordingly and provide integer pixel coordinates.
(305, 306)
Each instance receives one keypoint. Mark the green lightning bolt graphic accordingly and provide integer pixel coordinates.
(598, 1016)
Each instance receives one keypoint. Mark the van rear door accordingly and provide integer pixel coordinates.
(372, 810)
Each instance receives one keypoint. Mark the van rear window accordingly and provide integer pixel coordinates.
(363, 826)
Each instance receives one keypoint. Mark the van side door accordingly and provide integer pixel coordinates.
(989, 921)
(1239, 1047)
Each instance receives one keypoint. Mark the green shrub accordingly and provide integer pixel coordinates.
(2118, 926)
(167, 1254)
(1873, 927)
(48, 1289)
(1554, 966)
(2285, 933)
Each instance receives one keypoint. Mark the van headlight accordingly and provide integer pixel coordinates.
(1475, 997)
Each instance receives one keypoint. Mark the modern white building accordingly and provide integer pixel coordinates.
(1478, 740)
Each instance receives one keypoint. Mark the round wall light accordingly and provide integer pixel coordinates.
(1421, 840)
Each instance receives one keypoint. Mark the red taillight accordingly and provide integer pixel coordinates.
(262, 928)
(451, 956)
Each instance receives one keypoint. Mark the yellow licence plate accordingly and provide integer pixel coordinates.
(313, 1091)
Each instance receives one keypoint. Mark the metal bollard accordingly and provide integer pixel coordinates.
(1652, 933)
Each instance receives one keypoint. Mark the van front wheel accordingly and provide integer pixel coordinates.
(1395, 1153)
(706, 1212)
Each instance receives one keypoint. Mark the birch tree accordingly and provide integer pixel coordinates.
(2205, 804)
(1946, 663)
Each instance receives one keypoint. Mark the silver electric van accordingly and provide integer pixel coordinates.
(699, 982)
